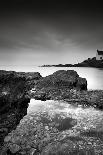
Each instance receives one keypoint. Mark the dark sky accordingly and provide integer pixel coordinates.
(49, 32)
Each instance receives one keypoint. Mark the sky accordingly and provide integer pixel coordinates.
(49, 32)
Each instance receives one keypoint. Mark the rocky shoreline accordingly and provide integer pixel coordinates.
(67, 86)
(13, 99)
(17, 88)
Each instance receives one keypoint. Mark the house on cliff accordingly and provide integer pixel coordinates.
(99, 55)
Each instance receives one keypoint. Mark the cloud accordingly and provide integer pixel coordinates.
(6, 43)
(29, 33)
(35, 38)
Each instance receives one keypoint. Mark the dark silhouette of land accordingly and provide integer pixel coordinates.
(90, 62)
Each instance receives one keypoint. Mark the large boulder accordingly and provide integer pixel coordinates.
(58, 85)
(63, 79)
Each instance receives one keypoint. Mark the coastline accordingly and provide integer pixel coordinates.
(53, 87)
(90, 62)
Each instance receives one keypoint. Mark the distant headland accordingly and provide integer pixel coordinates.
(96, 62)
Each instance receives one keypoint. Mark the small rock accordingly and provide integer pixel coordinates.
(32, 151)
(46, 127)
(14, 148)
(7, 139)
(3, 130)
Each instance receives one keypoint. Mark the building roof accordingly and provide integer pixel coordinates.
(100, 52)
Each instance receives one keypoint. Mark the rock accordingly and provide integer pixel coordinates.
(3, 130)
(82, 83)
(30, 75)
(63, 79)
(32, 151)
(46, 133)
(42, 95)
(14, 148)
(7, 139)
(56, 128)
(13, 101)
(59, 148)
(57, 84)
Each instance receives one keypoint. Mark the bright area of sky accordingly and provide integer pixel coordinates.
(48, 36)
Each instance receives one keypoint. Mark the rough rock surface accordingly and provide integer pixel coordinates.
(57, 128)
(51, 128)
(30, 77)
(58, 82)
(73, 96)
(13, 99)
(68, 86)
(63, 79)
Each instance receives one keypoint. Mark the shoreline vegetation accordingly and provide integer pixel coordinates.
(90, 62)
(16, 90)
